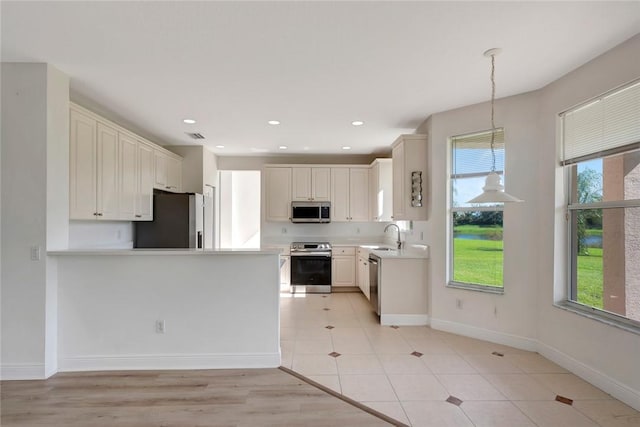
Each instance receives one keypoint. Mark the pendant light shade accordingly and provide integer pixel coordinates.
(493, 190)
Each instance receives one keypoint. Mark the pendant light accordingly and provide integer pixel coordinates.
(493, 190)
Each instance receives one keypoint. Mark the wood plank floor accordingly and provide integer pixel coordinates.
(250, 397)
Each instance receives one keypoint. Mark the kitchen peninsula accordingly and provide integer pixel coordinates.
(167, 309)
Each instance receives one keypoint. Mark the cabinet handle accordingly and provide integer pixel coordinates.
(99, 214)
(138, 216)
(95, 214)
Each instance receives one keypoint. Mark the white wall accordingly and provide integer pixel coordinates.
(218, 313)
(516, 309)
(35, 138)
(239, 209)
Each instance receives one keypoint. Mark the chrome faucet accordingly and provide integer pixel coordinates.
(399, 242)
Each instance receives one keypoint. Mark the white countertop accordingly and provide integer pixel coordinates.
(182, 252)
(410, 253)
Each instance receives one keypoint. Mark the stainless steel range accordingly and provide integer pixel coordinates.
(311, 267)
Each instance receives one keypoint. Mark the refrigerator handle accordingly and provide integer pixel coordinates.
(199, 240)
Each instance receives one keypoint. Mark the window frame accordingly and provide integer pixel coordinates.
(571, 260)
(499, 207)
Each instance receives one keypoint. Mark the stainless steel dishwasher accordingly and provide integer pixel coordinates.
(374, 282)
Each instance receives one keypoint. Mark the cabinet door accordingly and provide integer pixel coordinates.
(144, 200)
(359, 194)
(398, 182)
(128, 176)
(321, 184)
(108, 186)
(174, 174)
(277, 195)
(285, 273)
(339, 194)
(82, 166)
(384, 184)
(343, 271)
(373, 192)
(160, 179)
(301, 184)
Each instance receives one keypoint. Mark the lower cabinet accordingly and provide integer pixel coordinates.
(343, 267)
(363, 272)
(285, 273)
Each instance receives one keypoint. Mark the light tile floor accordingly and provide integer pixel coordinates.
(373, 364)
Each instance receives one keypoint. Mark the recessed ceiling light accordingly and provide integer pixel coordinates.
(346, 147)
(273, 122)
(189, 121)
(357, 122)
(219, 146)
(283, 147)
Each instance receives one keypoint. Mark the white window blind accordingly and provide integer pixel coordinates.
(601, 126)
(472, 153)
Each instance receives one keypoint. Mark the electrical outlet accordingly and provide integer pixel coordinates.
(358, 230)
(35, 253)
(458, 303)
(495, 310)
(160, 327)
(284, 230)
(422, 235)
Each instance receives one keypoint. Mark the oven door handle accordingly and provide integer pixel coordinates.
(317, 254)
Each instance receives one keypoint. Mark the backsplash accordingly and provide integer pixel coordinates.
(100, 234)
(289, 232)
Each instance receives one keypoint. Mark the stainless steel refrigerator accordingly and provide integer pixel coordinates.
(180, 220)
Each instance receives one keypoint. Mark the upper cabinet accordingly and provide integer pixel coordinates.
(277, 193)
(409, 170)
(311, 184)
(349, 194)
(168, 172)
(112, 171)
(381, 190)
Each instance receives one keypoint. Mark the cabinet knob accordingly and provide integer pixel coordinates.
(138, 216)
(99, 214)
(95, 214)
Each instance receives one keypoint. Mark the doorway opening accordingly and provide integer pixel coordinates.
(239, 209)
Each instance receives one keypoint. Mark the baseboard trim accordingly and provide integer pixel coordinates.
(23, 371)
(404, 319)
(485, 334)
(604, 382)
(169, 361)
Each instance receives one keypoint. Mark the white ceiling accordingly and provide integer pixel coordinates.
(315, 66)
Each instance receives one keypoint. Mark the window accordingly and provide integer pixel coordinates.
(475, 245)
(602, 159)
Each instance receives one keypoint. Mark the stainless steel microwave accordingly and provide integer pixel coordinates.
(317, 212)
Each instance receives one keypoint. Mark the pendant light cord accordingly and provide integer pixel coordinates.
(493, 125)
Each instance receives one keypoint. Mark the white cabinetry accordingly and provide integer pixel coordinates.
(144, 200)
(285, 273)
(128, 159)
(409, 153)
(349, 194)
(93, 168)
(381, 190)
(311, 184)
(343, 266)
(168, 175)
(83, 172)
(111, 170)
(277, 194)
(363, 271)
